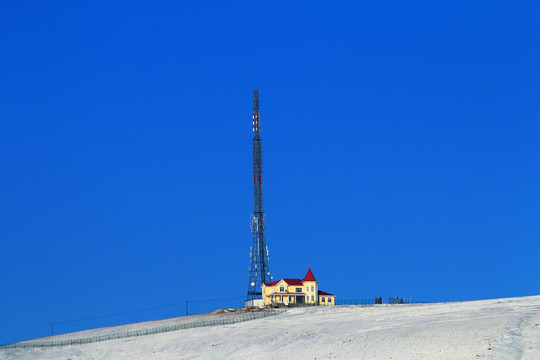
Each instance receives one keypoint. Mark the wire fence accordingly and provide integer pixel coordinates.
(238, 318)
(375, 301)
(158, 312)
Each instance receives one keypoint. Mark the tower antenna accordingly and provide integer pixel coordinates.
(259, 272)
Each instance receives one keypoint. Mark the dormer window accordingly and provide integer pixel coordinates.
(281, 288)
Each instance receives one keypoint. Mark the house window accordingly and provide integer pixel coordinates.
(307, 288)
(312, 288)
(281, 288)
(312, 298)
(298, 289)
(322, 299)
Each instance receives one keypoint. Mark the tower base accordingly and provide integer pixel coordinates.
(254, 303)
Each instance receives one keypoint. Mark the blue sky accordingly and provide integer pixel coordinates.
(400, 152)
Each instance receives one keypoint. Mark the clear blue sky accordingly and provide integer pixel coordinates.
(400, 142)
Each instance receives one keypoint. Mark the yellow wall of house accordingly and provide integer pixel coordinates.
(267, 291)
(311, 289)
(328, 300)
(292, 288)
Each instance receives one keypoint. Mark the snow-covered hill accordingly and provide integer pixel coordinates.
(488, 329)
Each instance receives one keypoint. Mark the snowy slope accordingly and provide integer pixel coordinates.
(488, 329)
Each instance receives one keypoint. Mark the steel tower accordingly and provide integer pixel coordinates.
(259, 272)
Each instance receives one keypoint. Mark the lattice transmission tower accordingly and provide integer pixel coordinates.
(259, 272)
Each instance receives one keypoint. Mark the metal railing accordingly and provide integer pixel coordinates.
(88, 340)
(375, 301)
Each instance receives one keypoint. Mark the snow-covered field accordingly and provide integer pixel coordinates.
(487, 329)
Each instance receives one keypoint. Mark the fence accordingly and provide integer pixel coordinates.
(157, 312)
(236, 319)
(374, 301)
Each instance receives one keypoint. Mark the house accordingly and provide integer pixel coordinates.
(296, 291)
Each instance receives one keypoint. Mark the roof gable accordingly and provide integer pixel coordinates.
(296, 282)
(293, 281)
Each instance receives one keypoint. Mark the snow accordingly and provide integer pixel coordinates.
(489, 329)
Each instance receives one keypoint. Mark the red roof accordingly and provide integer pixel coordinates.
(325, 293)
(288, 281)
(309, 276)
(293, 281)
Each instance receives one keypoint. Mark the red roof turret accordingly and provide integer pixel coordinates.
(309, 276)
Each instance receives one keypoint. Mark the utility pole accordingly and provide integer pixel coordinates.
(259, 271)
